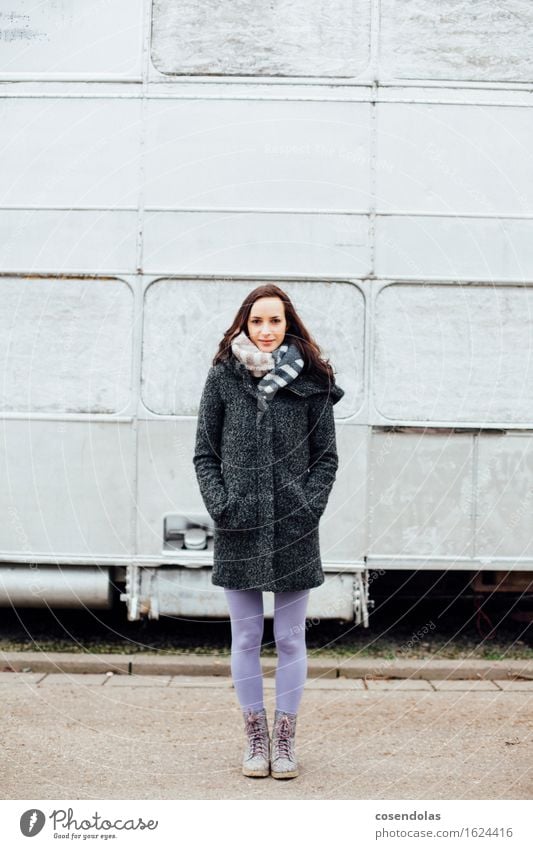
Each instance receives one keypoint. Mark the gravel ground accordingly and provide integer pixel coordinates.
(161, 737)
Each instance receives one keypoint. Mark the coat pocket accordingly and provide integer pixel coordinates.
(215, 499)
(310, 507)
(298, 493)
(239, 513)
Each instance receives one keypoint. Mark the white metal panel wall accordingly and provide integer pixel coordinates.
(439, 158)
(277, 187)
(343, 527)
(71, 38)
(70, 152)
(65, 345)
(454, 185)
(448, 500)
(454, 248)
(67, 492)
(504, 498)
(68, 475)
(178, 593)
(268, 155)
(454, 354)
(67, 242)
(71, 184)
(282, 245)
(419, 487)
(390, 147)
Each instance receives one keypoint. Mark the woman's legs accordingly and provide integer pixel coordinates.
(247, 621)
(289, 634)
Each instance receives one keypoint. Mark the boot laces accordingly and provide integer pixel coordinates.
(256, 734)
(284, 737)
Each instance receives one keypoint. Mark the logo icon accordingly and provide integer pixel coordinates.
(31, 822)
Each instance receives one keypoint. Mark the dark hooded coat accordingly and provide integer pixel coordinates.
(266, 484)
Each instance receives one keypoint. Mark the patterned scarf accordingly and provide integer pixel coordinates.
(277, 368)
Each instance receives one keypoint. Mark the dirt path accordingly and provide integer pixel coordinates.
(156, 737)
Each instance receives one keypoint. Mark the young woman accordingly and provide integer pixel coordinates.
(266, 459)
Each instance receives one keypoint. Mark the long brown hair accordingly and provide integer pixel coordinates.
(315, 364)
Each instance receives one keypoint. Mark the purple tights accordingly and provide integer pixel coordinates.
(247, 621)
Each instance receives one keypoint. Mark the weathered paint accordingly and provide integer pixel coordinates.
(457, 39)
(304, 38)
(175, 592)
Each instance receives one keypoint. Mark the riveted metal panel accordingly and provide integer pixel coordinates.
(167, 482)
(285, 244)
(258, 154)
(343, 525)
(182, 592)
(72, 152)
(68, 491)
(504, 484)
(420, 489)
(65, 345)
(473, 159)
(454, 247)
(454, 353)
(68, 241)
(71, 38)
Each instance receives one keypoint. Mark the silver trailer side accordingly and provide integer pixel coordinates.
(376, 164)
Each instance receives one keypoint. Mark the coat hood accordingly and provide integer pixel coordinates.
(303, 384)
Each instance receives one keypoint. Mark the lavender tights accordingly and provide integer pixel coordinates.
(247, 621)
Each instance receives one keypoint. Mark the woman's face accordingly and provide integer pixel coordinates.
(267, 324)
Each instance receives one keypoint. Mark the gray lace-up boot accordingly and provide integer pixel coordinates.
(283, 762)
(255, 762)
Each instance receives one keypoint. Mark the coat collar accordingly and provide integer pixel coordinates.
(302, 385)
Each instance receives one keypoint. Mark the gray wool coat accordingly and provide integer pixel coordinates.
(265, 485)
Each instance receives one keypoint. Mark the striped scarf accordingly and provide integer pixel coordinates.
(277, 368)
